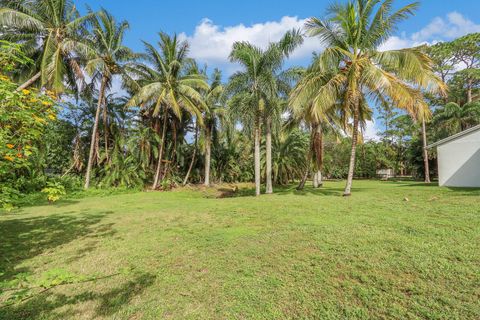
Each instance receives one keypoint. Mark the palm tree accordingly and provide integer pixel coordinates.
(352, 69)
(166, 86)
(288, 155)
(255, 87)
(455, 118)
(108, 58)
(54, 33)
(213, 113)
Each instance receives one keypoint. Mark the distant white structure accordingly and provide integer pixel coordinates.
(386, 173)
(459, 159)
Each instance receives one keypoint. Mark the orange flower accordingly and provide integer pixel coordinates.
(19, 155)
(8, 158)
(10, 146)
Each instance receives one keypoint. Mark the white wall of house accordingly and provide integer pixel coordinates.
(459, 161)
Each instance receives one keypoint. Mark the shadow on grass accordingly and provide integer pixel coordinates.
(465, 191)
(290, 190)
(107, 303)
(23, 238)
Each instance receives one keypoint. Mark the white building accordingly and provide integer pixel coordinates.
(459, 159)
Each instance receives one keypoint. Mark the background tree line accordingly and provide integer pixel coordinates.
(64, 123)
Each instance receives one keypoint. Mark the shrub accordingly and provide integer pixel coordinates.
(54, 191)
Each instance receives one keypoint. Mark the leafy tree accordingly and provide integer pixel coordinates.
(24, 116)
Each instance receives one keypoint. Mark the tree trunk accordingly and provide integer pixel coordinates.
(269, 185)
(425, 152)
(301, 185)
(208, 151)
(105, 128)
(318, 148)
(94, 132)
(469, 90)
(160, 152)
(257, 156)
(315, 180)
(29, 82)
(193, 156)
(351, 168)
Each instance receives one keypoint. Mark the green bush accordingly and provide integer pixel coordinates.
(54, 191)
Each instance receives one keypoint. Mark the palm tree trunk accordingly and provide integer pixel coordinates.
(257, 156)
(301, 185)
(29, 82)
(105, 128)
(94, 132)
(193, 156)
(351, 168)
(208, 150)
(318, 148)
(425, 152)
(269, 185)
(160, 152)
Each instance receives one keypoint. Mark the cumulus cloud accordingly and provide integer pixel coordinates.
(370, 133)
(211, 43)
(455, 25)
(452, 26)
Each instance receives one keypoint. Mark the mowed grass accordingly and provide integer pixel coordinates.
(291, 255)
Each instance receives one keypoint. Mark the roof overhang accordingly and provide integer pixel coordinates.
(454, 137)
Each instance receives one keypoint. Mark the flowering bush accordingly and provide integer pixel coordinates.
(24, 116)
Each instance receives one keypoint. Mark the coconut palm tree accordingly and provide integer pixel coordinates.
(213, 114)
(166, 86)
(53, 32)
(108, 57)
(352, 68)
(455, 118)
(254, 87)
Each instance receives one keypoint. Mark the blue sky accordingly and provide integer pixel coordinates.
(211, 26)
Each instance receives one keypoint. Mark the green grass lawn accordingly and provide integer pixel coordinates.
(292, 255)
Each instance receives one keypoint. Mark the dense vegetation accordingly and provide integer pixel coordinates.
(64, 126)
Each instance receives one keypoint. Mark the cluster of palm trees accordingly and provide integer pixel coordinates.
(82, 55)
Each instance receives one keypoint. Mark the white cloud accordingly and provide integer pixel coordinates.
(370, 132)
(452, 26)
(455, 25)
(211, 43)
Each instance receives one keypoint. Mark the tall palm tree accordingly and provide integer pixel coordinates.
(108, 57)
(53, 32)
(213, 113)
(352, 69)
(166, 86)
(255, 86)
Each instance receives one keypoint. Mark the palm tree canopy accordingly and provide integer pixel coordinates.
(109, 56)
(165, 81)
(54, 32)
(258, 81)
(455, 118)
(353, 66)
